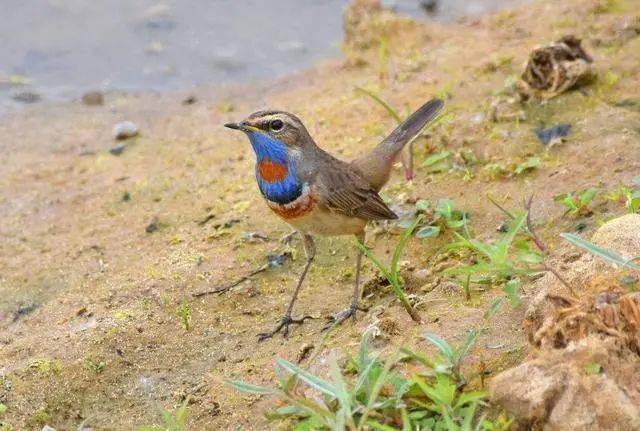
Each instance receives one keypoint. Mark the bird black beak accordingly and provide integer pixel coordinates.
(234, 126)
(243, 125)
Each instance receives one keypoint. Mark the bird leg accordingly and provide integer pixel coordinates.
(343, 315)
(286, 321)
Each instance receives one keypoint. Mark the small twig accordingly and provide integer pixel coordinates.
(500, 207)
(536, 239)
(543, 248)
(222, 289)
(559, 277)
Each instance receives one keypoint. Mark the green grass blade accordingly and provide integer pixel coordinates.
(422, 358)
(466, 347)
(181, 413)
(363, 374)
(344, 415)
(377, 426)
(448, 420)
(311, 380)
(249, 388)
(367, 253)
(436, 158)
(381, 102)
(406, 421)
(493, 308)
(507, 239)
(467, 420)
(441, 345)
(470, 398)
(380, 382)
(312, 408)
(401, 244)
(603, 253)
(363, 351)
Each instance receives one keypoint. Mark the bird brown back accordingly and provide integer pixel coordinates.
(341, 189)
(376, 166)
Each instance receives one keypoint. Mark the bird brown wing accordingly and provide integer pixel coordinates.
(344, 191)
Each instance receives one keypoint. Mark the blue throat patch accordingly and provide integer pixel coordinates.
(284, 191)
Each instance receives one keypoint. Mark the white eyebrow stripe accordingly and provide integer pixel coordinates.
(279, 116)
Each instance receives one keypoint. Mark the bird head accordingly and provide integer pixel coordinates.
(273, 128)
(278, 140)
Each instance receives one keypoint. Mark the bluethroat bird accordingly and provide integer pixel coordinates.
(318, 194)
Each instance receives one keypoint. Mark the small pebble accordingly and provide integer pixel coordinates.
(305, 352)
(93, 98)
(189, 100)
(125, 130)
(429, 6)
(26, 97)
(153, 226)
(117, 150)
(275, 260)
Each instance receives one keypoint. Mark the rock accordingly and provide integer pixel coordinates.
(363, 22)
(558, 392)
(621, 235)
(152, 226)
(125, 130)
(117, 149)
(93, 98)
(429, 6)
(48, 428)
(585, 374)
(359, 16)
(190, 100)
(26, 97)
(304, 352)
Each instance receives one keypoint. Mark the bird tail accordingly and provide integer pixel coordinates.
(376, 166)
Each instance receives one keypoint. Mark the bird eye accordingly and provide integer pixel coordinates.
(276, 125)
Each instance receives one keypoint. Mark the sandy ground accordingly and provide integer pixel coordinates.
(88, 304)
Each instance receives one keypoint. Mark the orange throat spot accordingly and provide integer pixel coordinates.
(272, 172)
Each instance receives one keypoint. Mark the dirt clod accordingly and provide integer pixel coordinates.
(555, 68)
(585, 375)
(556, 392)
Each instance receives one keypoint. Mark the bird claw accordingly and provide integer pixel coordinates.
(343, 315)
(283, 325)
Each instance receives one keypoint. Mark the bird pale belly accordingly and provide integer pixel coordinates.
(305, 215)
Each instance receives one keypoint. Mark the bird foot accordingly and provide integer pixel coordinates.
(283, 325)
(343, 315)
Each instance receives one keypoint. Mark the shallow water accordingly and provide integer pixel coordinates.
(64, 47)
